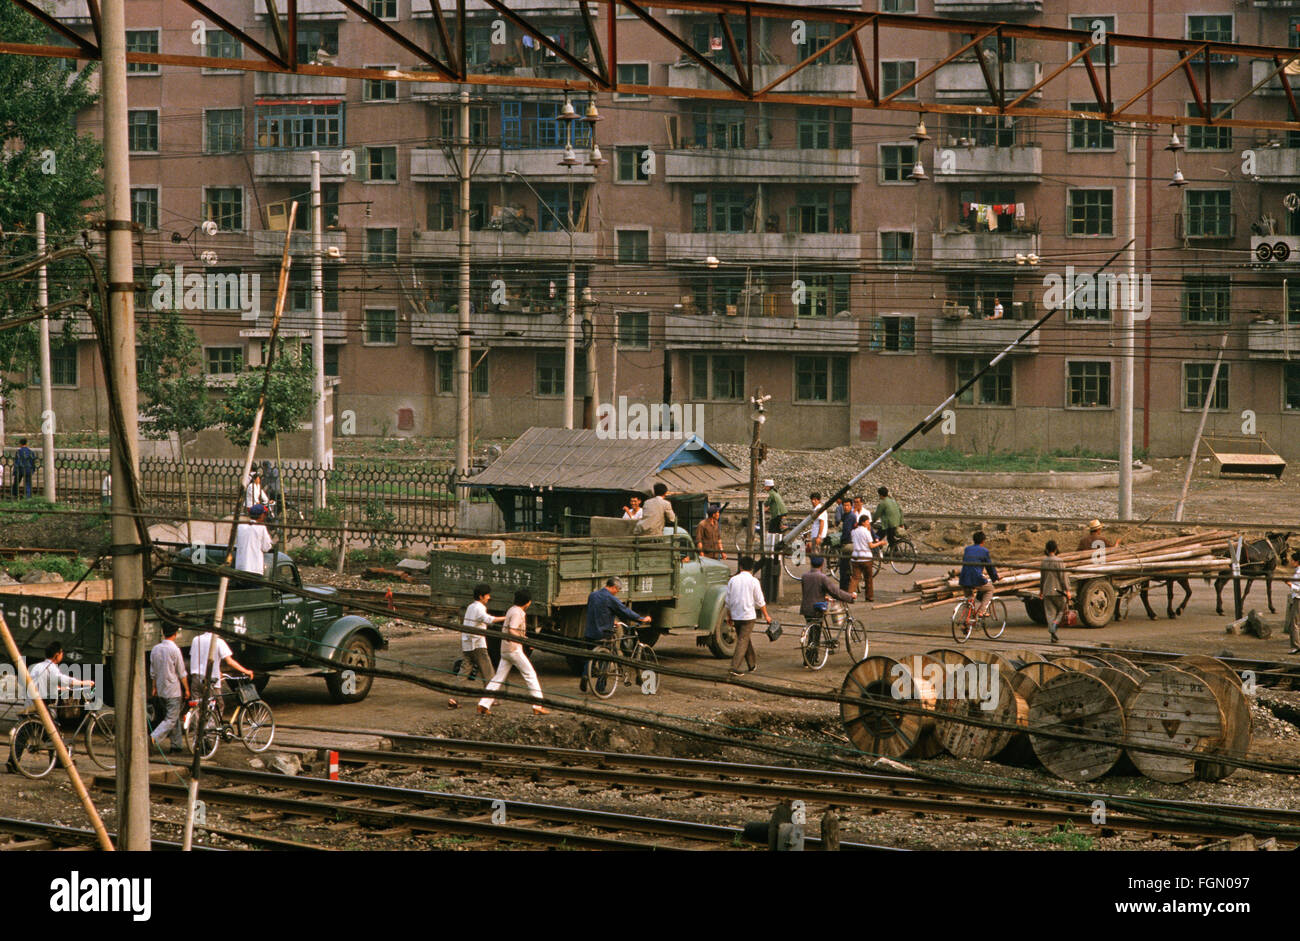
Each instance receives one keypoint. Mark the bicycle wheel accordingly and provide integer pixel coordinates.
(256, 726)
(31, 750)
(211, 737)
(797, 556)
(995, 621)
(902, 556)
(815, 653)
(645, 660)
(961, 623)
(101, 739)
(602, 678)
(855, 639)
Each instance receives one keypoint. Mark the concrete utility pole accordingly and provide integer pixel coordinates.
(1126, 340)
(570, 315)
(757, 400)
(128, 569)
(47, 379)
(591, 400)
(318, 455)
(462, 308)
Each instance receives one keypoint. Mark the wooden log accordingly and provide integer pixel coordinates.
(1173, 709)
(869, 714)
(1081, 704)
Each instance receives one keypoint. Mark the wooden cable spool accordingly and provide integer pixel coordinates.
(1198, 663)
(1080, 704)
(1075, 663)
(1173, 709)
(980, 690)
(991, 657)
(1041, 672)
(869, 715)
(1119, 662)
(1238, 724)
(1029, 656)
(924, 665)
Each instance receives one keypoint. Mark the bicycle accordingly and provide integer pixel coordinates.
(821, 638)
(993, 621)
(251, 721)
(32, 751)
(605, 676)
(901, 557)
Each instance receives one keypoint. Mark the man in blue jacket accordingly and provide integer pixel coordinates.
(975, 561)
(603, 607)
(24, 468)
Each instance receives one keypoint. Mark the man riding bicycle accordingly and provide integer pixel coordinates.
(817, 586)
(975, 561)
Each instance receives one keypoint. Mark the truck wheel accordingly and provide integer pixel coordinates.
(722, 642)
(357, 651)
(1096, 602)
(1034, 608)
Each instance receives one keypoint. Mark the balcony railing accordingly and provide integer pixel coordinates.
(294, 165)
(1273, 340)
(424, 8)
(982, 248)
(270, 242)
(433, 165)
(489, 326)
(706, 331)
(770, 165)
(1208, 225)
(992, 8)
(489, 244)
(989, 165)
(813, 79)
(1278, 164)
(298, 323)
(739, 247)
(283, 84)
(971, 337)
(964, 81)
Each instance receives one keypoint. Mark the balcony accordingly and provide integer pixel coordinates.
(1206, 226)
(489, 245)
(432, 165)
(741, 247)
(72, 12)
(424, 8)
(770, 165)
(316, 9)
(995, 9)
(1277, 164)
(968, 337)
(779, 334)
(270, 243)
(1261, 67)
(989, 165)
(980, 248)
(281, 84)
(289, 166)
(495, 328)
(1273, 340)
(298, 323)
(813, 79)
(964, 81)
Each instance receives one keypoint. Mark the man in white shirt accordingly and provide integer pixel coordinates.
(224, 656)
(253, 493)
(997, 309)
(48, 681)
(820, 526)
(1293, 605)
(252, 542)
(633, 510)
(744, 602)
(863, 543)
(473, 647)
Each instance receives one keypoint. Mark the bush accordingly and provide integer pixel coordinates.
(312, 553)
(358, 556)
(70, 569)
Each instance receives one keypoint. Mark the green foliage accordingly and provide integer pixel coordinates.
(288, 402)
(170, 376)
(379, 520)
(1066, 836)
(358, 556)
(312, 553)
(69, 569)
(329, 515)
(1076, 459)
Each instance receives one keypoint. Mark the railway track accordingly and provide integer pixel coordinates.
(18, 835)
(852, 791)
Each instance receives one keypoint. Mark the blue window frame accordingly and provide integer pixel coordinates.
(292, 125)
(535, 125)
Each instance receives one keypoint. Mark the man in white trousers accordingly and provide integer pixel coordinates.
(512, 655)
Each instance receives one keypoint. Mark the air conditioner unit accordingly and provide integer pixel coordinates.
(1276, 249)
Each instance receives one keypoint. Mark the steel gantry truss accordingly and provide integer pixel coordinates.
(1116, 91)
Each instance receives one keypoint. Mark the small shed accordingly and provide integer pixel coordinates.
(556, 479)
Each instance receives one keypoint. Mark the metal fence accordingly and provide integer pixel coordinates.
(376, 496)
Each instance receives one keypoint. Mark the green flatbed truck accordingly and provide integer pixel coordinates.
(663, 576)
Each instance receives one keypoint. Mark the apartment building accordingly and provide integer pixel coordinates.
(725, 246)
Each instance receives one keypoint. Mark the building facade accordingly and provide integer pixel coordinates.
(727, 246)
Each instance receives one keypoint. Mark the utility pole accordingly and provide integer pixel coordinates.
(758, 400)
(317, 337)
(47, 390)
(462, 308)
(1126, 340)
(591, 401)
(132, 784)
(570, 315)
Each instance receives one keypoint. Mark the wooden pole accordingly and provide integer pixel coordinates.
(46, 720)
(1200, 430)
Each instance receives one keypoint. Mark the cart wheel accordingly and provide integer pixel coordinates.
(1096, 604)
(1037, 613)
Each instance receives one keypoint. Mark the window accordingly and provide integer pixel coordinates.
(553, 209)
(894, 333)
(314, 37)
(478, 43)
(824, 295)
(634, 330)
(294, 126)
(1098, 53)
(897, 6)
(142, 131)
(299, 298)
(980, 292)
(633, 246)
(821, 378)
(720, 128)
(1091, 212)
(142, 40)
(1002, 200)
(896, 161)
(331, 357)
(993, 388)
(63, 365)
(381, 326)
(1213, 28)
(824, 128)
(1209, 214)
(379, 89)
(329, 208)
(381, 246)
(1207, 299)
(478, 363)
(894, 75)
(223, 130)
(1293, 32)
(224, 205)
(896, 247)
(707, 39)
(1200, 137)
(1088, 385)
(820, 210)
(1291, 386)
(223, 360)
(730, 209)
(384, 9)
(144, 207)
(717, 378)
(449, 124)
(717, 293)
(629, 164)
(381, 164)
(532, 123)
(633, 73)
(1090, 135)
(219, 44)
(982, 130)
(443, 208)
(550, 374)
(1196, 386)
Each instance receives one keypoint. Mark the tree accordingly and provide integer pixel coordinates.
(288, 401)
(45, 166)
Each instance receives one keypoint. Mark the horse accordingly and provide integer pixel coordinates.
(1170, 610)
(1259, 560)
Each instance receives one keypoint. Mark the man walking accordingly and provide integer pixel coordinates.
(512, 655)
(473, 647)
(708, 537)
(863, 544)
(24, 468)
(848, 520)
(170, 683)
(888, 516)
(656, 513)
(744, 602)
(820, 526)
(1053, 588)
(1293, 605)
